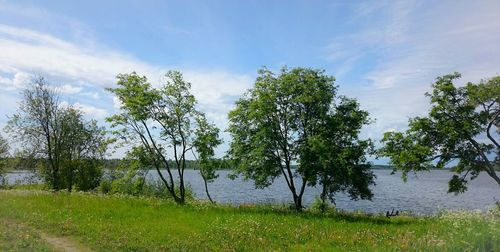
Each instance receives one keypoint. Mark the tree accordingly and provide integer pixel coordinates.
(4, 151)
(83, 151)
(206, 140)
(457, 132)
(282, 121)
(57, 137)
(341, 154)
(161, 120)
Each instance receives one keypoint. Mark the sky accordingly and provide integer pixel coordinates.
(386, 54)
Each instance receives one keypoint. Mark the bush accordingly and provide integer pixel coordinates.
(319, 206)
(3, 181)
(135, 182)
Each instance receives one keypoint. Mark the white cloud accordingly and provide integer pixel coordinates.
(216, 91)
(30, 51)
(65, 61)
(77, 66)
(18, 81)
(117, 104)
(91, 111)
(88, 110)
(413, 43)
(93, 95)
(69, 89)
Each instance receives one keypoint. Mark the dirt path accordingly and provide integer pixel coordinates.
(59, 243)
(63, 243)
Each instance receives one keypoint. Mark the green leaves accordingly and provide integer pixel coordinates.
(69, 149)
(159, 121)
(342, 165)
(4, 151)
(451, 133)
(292, 118)
(136, 95)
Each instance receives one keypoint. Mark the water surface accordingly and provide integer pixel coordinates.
(424, 193)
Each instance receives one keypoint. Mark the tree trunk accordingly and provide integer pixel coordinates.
(493, 174)
(298, 202)
(206, 189)
(323, 194)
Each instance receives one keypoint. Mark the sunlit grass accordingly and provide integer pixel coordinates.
(14, 237)
(130, 223)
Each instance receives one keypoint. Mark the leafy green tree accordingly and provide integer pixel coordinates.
(83, 152)
(162, 121)
(340, 153)
(130, 175)
(64, 145)
(38, 126)
(458, 132)
(4, 152)
(282, 121)
(206, 140)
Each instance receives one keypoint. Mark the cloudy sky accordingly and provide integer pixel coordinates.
(384, 53)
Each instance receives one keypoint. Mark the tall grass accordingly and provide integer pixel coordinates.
(119, 222)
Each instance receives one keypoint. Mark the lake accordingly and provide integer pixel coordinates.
(423, 193)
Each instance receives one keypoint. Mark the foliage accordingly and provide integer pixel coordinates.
(120, 223)
(206, 140)
(83, 151)
(131, 178)
(157, 122)
(452, 133)
(67, 150)
(4, 151)
(341, 155)
(292, 119)
(321, 206)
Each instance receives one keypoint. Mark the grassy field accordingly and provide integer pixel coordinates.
(110, 223)
(15, 237)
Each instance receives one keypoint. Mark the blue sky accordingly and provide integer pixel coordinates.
(384, 53)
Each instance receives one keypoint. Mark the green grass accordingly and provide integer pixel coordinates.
(14, 237)
(110, 223)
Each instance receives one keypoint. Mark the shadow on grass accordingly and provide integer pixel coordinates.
(284, 210)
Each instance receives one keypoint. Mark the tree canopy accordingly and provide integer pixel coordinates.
(68, 149)
(341, 155)
(161, 124)
(4, 151)
(460, 131)
(288, 119)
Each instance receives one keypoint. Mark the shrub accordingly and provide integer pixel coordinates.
(135, 182)
(321, 206)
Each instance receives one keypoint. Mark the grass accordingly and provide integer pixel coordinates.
(110, 223)
(14, 237)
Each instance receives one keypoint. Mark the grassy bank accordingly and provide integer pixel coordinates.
(15, 237)
(107, 223)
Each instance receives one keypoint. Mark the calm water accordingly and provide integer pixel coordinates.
(424, 193)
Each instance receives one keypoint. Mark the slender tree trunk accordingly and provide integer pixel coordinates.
(494, 175)
(156, 151)
(206, 190)
(323, 194)
(203, 176)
